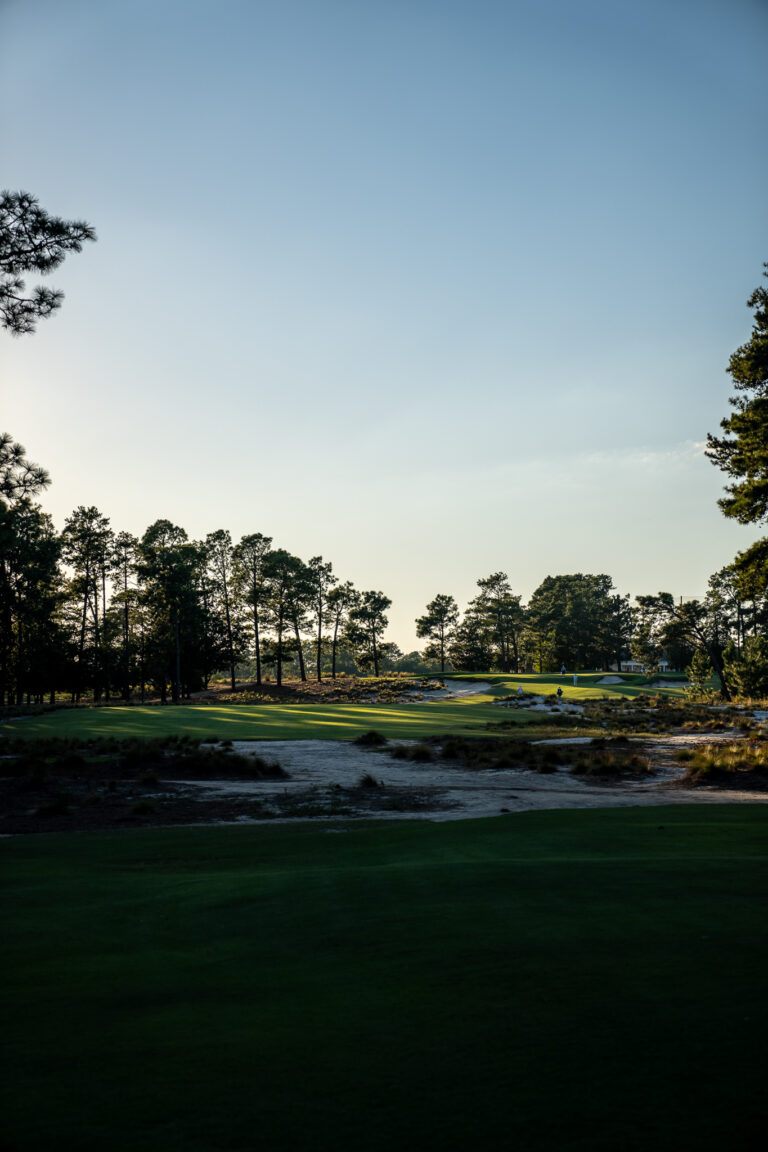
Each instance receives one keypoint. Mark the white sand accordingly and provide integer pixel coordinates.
(454, 690)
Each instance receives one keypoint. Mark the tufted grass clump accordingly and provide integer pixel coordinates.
(130, 758)
(370, 739)
(421, 752)
(368, 781)
(735, 762)
(611, 764)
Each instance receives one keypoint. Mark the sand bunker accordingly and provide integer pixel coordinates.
(454, 690)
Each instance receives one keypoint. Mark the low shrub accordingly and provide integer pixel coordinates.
(419, 752)
(262, 769)
(143, 808)
(368, 781)
(57, 806)
(612, 764)
(370, 739)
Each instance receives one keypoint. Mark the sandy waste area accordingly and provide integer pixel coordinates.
(437, 791)
(318, 770)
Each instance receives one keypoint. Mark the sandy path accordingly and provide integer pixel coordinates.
(317, 766)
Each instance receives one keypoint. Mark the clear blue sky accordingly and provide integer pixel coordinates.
(432, 288)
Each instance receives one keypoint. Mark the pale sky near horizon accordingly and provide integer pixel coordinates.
(432, 289)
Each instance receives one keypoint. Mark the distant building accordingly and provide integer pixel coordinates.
(642, 669)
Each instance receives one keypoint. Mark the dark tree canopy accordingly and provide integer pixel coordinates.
(19, 477)
(32, 241)
(742, 453)
(438, 626)
(586, 624)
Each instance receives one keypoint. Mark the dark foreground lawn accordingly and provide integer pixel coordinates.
(547, 981)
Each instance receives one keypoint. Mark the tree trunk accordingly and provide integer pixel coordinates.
(333, 648)
(375, 656)
(256, 635)
(81, 646)
(516, 653)
(302, 669)
(319, 641)
(103, 614)
(96, 645)
(19, 693)
(176, 687)
(142, 668)
(716, 660)
(279, 660)
(230, 644)
(126, 643)
(6, 636)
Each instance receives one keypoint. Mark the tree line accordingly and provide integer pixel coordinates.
(97, 613)
(580, 621)
(106, 615)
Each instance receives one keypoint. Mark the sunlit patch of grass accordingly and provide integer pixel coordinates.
(588, 687)
(254, 722)
(626, 706)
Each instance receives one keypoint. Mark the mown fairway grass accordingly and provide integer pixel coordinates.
(314, 721)
(585, 981)
(258, 721)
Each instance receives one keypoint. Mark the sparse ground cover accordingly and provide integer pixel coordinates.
(553, 981)
(609, 758)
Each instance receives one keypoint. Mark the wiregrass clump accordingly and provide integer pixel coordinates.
(370, 739)
(130, 758)
(489, 753)
(611, 763)
(743, 763)
(422, 752)
(554, 719)
(659, 713)
(601, 758)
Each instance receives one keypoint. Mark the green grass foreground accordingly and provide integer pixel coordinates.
(315, 721)
(585, 981)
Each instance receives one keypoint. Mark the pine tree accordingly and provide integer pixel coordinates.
(32, 241)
